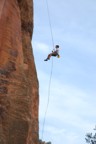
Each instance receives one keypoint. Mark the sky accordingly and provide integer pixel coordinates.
(72, 99)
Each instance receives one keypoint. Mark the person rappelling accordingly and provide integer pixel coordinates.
(54, 53)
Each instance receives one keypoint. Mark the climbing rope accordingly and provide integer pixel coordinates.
(50, 23)
(50, 72)
(48, 99)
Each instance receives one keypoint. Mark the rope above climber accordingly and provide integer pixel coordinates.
(54, 53)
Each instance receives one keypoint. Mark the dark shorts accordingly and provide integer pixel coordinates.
(54, 54)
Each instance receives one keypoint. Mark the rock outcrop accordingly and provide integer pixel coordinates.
(18, 78)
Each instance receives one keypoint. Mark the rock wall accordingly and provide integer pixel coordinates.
(18, 79)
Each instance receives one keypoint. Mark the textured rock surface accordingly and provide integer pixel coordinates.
(18, 79)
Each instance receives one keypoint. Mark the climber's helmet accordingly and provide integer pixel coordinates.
(57, 46)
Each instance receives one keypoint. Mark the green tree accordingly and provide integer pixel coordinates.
(91, 138)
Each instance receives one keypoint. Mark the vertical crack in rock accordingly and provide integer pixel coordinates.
(19, 98)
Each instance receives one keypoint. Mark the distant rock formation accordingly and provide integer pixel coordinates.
(18, 79)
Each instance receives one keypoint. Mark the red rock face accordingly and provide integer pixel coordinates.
(18, 78)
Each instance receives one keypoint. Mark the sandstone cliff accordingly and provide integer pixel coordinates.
(18, 78)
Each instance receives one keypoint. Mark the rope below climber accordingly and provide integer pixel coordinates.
(54, 53)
